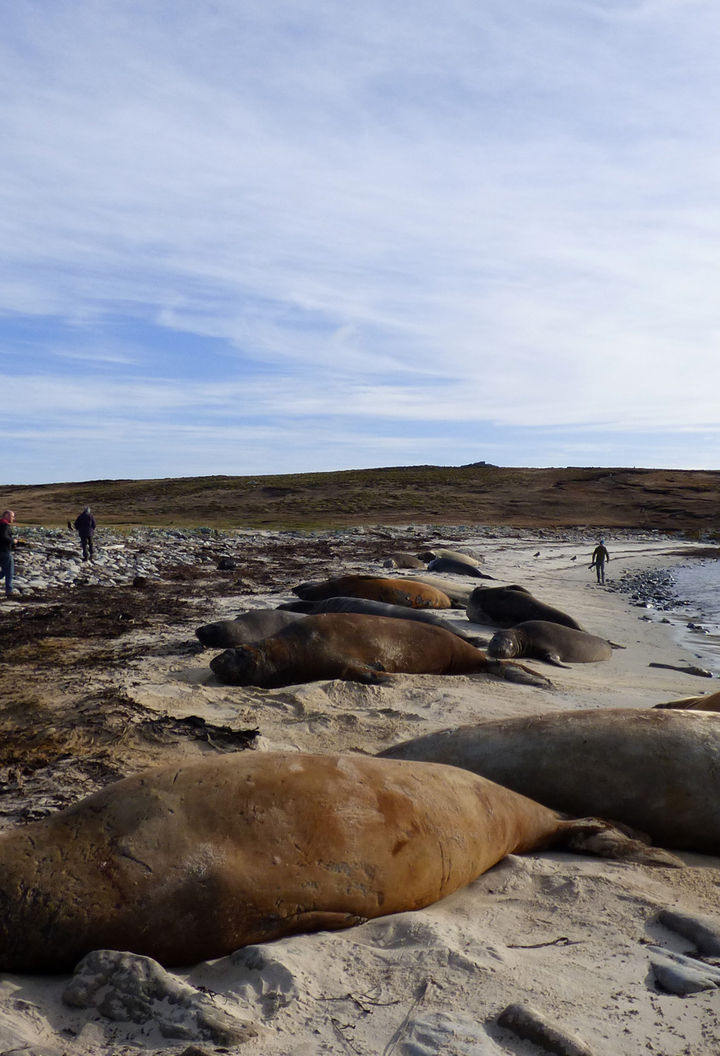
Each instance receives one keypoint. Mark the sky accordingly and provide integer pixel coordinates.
(277, 236)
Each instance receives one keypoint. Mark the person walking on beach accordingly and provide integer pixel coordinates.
(599, 557)
(7, 545)
(85, 527)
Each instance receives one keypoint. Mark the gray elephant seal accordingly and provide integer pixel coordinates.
(657, 771)
(247, 627)
(551, 642)
(457, 568)
(433, 553)
(358, 648)
(507, 606)
(191, 862)
(379, 608)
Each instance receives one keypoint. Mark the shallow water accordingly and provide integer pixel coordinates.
(697, 602)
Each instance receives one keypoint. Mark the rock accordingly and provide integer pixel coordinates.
(530, 1025)
(704, 932)
(128, 987)
(681, 975)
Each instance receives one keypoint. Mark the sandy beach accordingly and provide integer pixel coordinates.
(565, 934)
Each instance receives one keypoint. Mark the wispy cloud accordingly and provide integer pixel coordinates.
(330, 234)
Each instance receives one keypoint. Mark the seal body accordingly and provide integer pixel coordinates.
(455, 567)
(358, 648)
(409, 592)
(398, 559)
(507, 606)
(377, 608)
(248, 627)
(551, 642)
(658, 771)
(436, 553)
(191, 862)
(458, 592)
(710, 702)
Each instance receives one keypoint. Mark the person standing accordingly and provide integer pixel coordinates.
(7, 545)
(85, 527)
(599, 557)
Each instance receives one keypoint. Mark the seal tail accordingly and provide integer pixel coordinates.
(601, 838)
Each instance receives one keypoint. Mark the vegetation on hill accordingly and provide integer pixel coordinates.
(667, 500)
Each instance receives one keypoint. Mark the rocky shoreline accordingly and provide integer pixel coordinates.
(50, 558)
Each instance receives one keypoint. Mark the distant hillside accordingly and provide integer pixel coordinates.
(667, 500)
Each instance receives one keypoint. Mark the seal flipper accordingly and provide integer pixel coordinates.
(554, 659)
(368, 674)
(320, 920)
(516, 673)
(597, 837)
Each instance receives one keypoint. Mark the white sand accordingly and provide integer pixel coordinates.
(563, 933)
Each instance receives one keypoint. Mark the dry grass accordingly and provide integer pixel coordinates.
(667, 500)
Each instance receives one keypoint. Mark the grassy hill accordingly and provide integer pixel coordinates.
(667, 500)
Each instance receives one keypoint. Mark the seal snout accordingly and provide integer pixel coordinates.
(235, 667)
(502, 645)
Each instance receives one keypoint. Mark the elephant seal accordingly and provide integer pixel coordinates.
(248, 627)
(459, 593)
(551, 642)
(507, 606)
(378, 608)
(710, 702)
(190, 862)
(458, 568)
(434, 553)
(657, 771)
(410, 592)
(358, 648)
(402, 560)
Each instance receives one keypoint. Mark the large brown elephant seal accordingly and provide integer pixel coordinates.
(247, 627)
(358, 648)
(193, 861)
(507, 606)
(551, 642)
(409, 592)
(379, 608)
(710, 702)
(658, 771)
(458, 592)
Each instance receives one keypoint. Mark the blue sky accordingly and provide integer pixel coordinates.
(270, 236)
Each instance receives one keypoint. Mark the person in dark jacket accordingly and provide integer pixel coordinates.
(7, 545)
(85, 527)
(599, 557)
